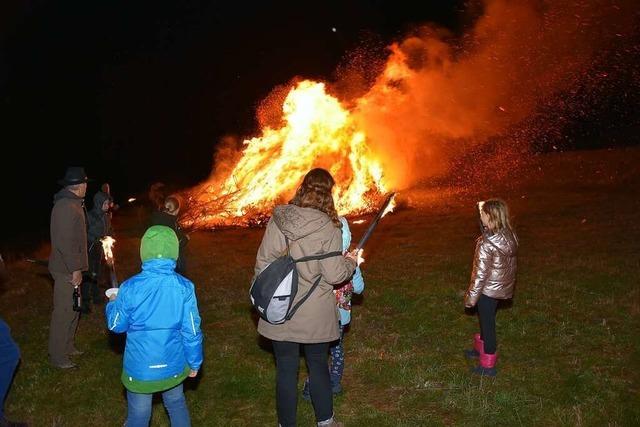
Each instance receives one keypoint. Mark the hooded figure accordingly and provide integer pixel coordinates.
(158, 310)
(98, 226)
(98, 218)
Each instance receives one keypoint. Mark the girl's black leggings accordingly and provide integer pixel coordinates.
(487, 314)
(287, 362)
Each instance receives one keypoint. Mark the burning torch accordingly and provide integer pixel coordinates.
(107, 249)
(387, 207)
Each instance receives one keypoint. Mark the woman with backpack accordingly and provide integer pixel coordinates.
(308, 225)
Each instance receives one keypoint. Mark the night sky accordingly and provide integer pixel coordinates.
(141, 91)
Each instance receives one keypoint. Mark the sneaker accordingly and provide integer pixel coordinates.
(332, 422)
(65, 365)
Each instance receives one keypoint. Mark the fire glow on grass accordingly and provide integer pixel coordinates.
(317, 131)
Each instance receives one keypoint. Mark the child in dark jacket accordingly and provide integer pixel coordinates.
(158, 310)
(493, 278)
(98, 226)
(168, 215)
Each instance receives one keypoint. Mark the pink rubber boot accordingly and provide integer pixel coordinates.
(487, 365)
(478, 344)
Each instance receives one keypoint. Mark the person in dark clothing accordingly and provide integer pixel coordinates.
(168, 216)
(67, 261)
(9, 359)
(99, 226)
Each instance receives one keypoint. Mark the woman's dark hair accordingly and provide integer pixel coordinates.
(315, 192)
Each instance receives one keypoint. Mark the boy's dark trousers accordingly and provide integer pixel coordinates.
(487, 315)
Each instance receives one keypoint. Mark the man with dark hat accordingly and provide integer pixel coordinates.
(67, 261)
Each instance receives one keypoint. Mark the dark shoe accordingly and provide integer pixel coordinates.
(6, 423)
(65, 365)
(487, 372)
(336, 388)
(306, 394)
(471, 354)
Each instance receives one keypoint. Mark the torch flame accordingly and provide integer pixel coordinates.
(107, 248)
(317, 132)
(390, 207)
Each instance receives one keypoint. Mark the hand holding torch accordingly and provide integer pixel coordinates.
(107, 248)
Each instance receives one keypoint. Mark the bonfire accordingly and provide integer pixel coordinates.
(316, 131)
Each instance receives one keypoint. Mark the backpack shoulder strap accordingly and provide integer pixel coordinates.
(303, 299)
(315, 284)
(318, 257)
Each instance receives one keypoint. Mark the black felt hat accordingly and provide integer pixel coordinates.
(74, 175)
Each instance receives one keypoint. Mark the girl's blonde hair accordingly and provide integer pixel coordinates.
(498, 213)
(315, 192)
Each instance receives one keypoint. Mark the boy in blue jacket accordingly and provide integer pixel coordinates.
(158, 310)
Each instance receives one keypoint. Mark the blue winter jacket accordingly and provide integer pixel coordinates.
(357, 280)
(158, 310)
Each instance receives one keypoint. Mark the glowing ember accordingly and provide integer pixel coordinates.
(107, 248)
(317, 132)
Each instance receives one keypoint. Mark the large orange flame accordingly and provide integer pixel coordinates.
(317, 131)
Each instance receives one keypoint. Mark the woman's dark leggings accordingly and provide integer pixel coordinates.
(287, 362)
(487, 314)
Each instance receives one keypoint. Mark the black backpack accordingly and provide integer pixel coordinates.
(275, 287)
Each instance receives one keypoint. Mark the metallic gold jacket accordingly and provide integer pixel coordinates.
(494, 267)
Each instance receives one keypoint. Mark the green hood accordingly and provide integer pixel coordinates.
(159, 242)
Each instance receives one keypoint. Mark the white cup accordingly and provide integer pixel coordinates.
(111, 291)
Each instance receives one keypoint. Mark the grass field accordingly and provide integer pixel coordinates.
(569, 344)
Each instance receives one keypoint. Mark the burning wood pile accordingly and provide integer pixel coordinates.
(317, 131)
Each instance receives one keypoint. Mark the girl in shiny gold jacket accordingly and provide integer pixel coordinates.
(493, 278)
